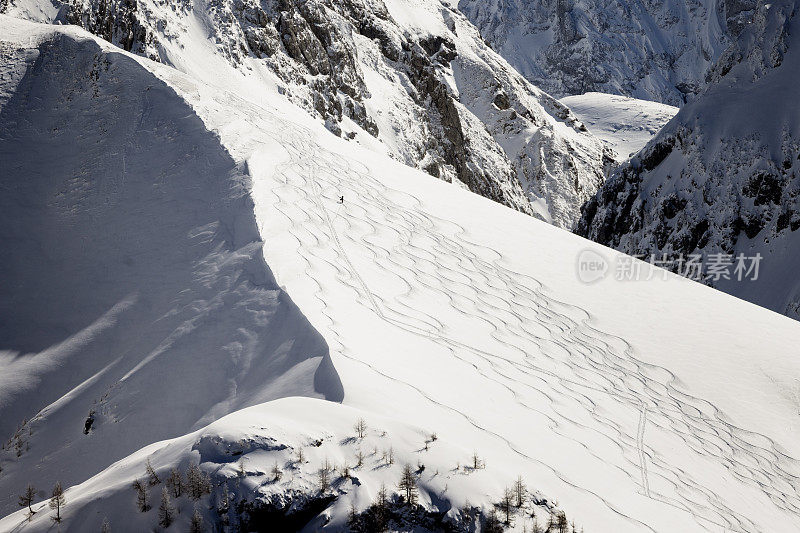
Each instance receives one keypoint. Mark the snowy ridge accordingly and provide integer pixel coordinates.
(567, 331)
(409, 78)
(660, 51)
(721, 177)
(136, 269)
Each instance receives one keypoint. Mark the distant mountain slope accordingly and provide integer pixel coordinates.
(652, 50)
(410, 78)
(652, 406)
(133, 282)
(723, 175)
(624, 124)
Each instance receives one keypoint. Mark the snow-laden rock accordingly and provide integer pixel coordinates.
(652, 50)
(412, 74)
(260, 483)
(722, 176)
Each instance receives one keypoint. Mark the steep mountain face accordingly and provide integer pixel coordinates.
(722, 176)
(413, 75)
(649, 49)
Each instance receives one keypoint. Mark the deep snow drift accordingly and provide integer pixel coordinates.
(657, 406)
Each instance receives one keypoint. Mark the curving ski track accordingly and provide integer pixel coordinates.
(573, 364)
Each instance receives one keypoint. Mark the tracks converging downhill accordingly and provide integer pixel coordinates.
(548, 355)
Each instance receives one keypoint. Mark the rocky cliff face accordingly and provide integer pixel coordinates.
(649, 49)
(413, 75)
(722, 176)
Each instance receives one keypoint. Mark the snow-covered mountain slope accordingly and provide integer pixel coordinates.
(655, 406)
(722, 177)
(410, 78)
(653, 50)
(131, 266)
(625, 124)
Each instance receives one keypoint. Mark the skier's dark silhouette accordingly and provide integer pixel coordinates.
(341, 199)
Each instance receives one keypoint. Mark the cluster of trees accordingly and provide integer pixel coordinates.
(376, 517)
(513, 499)
(557, 523)
(408, 484)
(57, 501)
(361, 428)
(195, 484)
(324, 477)
(18, 442)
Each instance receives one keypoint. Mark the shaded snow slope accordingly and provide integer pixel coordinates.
(722, 176)
(655, 406)
(659, 51)
(625, 124)
(133, 281)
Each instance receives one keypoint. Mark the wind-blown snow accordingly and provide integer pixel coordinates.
(652, 406)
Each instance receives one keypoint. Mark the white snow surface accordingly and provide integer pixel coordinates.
(625, 124)
(131, 266)
(655, 406)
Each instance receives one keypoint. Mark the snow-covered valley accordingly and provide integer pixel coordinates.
(625, 124)
(220, 280)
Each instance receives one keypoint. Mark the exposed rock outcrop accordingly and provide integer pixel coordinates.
(435, 96)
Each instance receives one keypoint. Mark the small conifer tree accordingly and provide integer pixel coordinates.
(57, 502)
(166, 513)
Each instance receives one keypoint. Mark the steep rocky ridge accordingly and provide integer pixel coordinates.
(413, 75)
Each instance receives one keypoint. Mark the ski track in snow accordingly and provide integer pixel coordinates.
(640, 447)
(574, 363)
